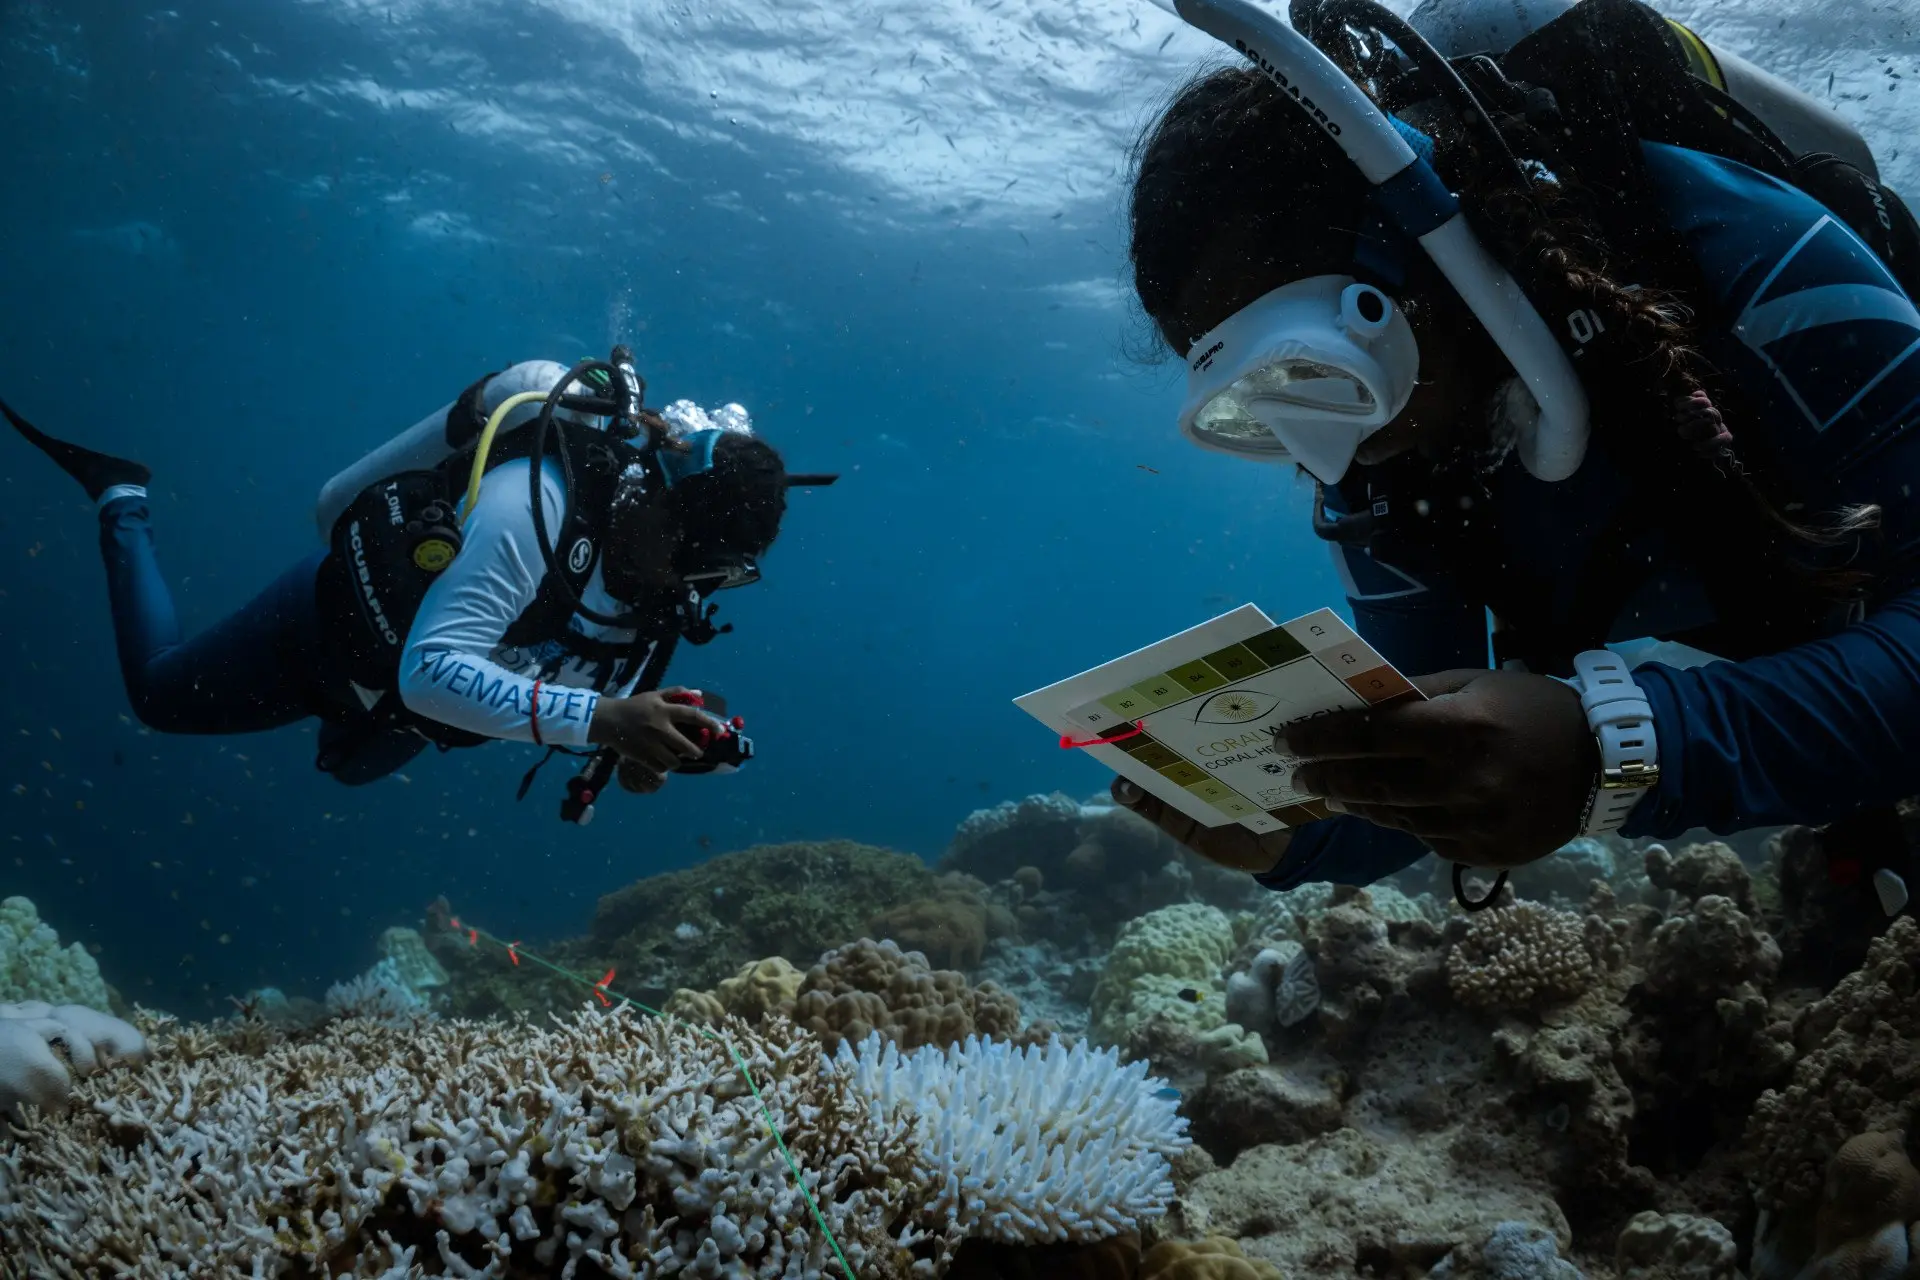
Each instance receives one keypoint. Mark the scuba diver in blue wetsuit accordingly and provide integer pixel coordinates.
(520, 564)
(1577, 323)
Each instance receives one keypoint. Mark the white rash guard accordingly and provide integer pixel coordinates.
(457, 670)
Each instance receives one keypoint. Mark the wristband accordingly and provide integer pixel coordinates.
(1622, 724)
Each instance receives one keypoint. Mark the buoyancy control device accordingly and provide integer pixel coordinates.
(1738, 110)
(1605, 74)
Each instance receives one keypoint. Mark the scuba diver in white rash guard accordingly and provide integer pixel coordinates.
(459, 602)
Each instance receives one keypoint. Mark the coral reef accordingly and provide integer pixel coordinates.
(951, 926)
(1565, 877)
(1168, 963)
(1251, 1107)
(869, 987)
(413, 964)
(761, 988)
(44, 1047)
(34, 966)
(1511, 1251)
(1858, 1071)
(1053, 980)
(1349, 1202)
(1524, 956)
(601, 1145)
(994, 843)
(793, 900)
(1212, 1259)
(1278, 990)
(1675, 1246)
(1010, 1141)
(1094, 864)
(861, 988)
(381, 994)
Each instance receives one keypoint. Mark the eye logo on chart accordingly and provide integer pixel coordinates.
(1234, 706)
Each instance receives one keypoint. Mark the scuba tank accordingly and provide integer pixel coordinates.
(1461, 28)
(443, 434)
(1748, 114)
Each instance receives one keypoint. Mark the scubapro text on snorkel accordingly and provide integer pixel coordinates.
(1279, 77)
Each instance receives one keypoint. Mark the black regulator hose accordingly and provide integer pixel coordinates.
(624, 408)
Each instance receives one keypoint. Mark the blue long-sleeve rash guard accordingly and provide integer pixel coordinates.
(1819, 329)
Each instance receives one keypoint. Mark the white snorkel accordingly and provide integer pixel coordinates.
(1412, 196)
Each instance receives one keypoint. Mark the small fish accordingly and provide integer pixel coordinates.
(1169, 1093)
(1165, 43)
(705, 842)
(1141, 466)
(1192, 995)
(949, 138)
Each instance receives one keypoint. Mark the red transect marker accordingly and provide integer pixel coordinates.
(473, 937)
(600, 988)
(456, 922)
(512, 954)
(1067, 742)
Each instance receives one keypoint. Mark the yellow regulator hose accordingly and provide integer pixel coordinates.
(486, 446)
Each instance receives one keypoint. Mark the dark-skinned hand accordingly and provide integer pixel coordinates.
(1231, 846)
(1493, 769)
(652, 735)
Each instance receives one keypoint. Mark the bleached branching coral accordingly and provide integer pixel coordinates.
(1026, 1145)
(605, 1145)
(380, 994)
(1519, 957)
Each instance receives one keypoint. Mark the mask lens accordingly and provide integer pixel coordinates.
(722, 575)
(1306, 384)
(1225, 423)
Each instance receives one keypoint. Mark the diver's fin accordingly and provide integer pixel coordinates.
(96, 472)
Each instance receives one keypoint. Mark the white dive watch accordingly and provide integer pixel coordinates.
(1622, 722)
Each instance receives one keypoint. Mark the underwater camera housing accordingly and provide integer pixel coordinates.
(726, 749)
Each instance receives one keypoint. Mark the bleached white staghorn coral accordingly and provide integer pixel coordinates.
(606, 1144)
(1027, 1145)
(382, 994)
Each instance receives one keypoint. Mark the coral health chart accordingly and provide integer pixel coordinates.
(1194, 719)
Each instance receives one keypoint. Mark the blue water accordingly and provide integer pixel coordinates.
(217, 265)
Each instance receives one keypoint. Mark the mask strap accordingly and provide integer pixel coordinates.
(676, 465)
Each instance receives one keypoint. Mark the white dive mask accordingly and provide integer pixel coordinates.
(1303, 374)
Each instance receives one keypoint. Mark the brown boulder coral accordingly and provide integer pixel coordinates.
(1864, 1225)
(875, 986)
(1213, 1259)
(950, 927)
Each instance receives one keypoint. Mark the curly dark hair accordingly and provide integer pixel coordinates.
(736, 505)
(1232, 156)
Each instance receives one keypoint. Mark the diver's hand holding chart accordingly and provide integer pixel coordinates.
(1195, 719)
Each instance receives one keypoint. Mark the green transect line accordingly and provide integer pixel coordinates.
(766, 1112)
